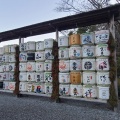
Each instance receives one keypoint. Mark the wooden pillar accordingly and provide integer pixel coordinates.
(57, 35)
(112, 30)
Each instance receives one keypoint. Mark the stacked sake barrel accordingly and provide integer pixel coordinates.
(48, 45)
(64, 75)
(75, 65)
(27, 67)
(88, 65)
(36, 66)
(23, 67)
(102, 63)
(1, 67)
(8, 66)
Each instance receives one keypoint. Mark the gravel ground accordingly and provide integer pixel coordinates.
(40, 108)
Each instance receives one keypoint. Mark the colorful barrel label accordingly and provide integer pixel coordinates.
(74, 52)
(87, 38)
(90, 92)
(102, 36)
(39, 56)
(102, 50)
(40, 45)
(30, 56)
(39, 77)
(63, 53)
(48, 76)
(48, 54)
(75, 65)
(89, 78)
(88, 64)
(63, 41)
(23, 57)
(64, 78)
(64, 65)
(64, 89)
(88, 51)
(102, 64)
(76, 90)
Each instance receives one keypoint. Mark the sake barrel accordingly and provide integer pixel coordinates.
(1, 76)
(88, 64)
(30, 87)
(6, 48)
(64, 77)
(23, 47)
(103, 92)
(48, 43)
(23, 57)
(101, 36)
(89, 91)
(1, 68)
(39, 76)
(75, 65)
(48, 88)
(63, 53)
(12, 48)
(5, 67)
(30, 56)
(5, 85)
(48, 54)
(23, 76)
(48, 76)
(64, 65)
(12, 58)
(30, 46)
(1, 85)
(103, 78)
(11, 76)
(88, 51)
(102, 64)
(39, 66)
(75, 78)
(31, 66)
(39, 45)
(48, 65)
(1, 60)
(6, 76)
(23, 86)
(11, 66)
(87, 38)
(102, 50)
(5, 58)
(1, 50)
(39, 88)
(63, 41)
(39, 56)
(11, 86)
(74, 39)
(76, 90)
(74, 52)
(30, 76)
(89, 78)
(22, 66)
(64, 89)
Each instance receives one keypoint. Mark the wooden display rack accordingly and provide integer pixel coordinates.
(105, 15)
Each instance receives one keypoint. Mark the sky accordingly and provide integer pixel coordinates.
(19, 13)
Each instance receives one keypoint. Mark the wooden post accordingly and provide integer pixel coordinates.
(57, 35)
(112, 30)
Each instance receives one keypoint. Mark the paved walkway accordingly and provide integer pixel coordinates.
(37, 108)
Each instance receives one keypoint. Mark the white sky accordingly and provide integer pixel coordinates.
(15, 14)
